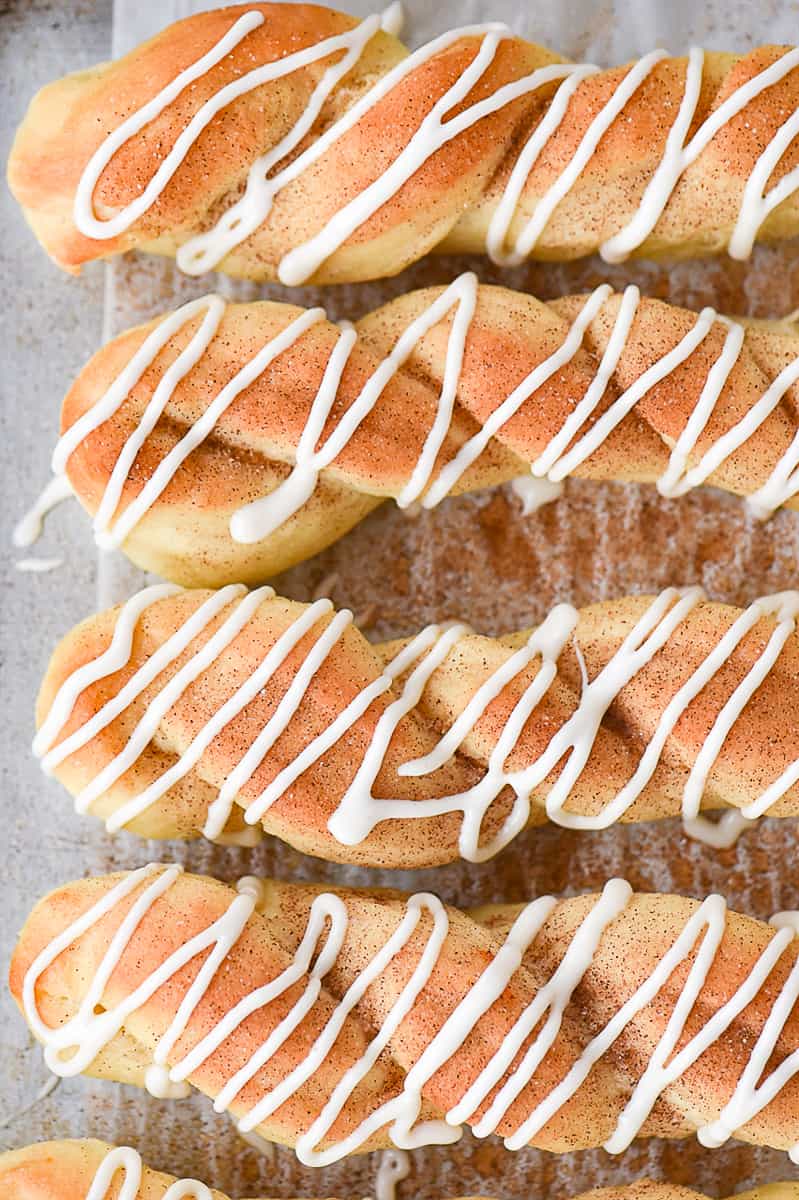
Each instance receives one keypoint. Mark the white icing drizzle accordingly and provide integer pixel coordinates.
(302, 261)
(39, 566)
(128, 1161)
(72, 1046)
(263, 516)
(29, 529)
(234, 223)
(547, 204)
(109, 536)
(113, 659)
(253, 886)
(755, 204)
(205, 251)
(565, 452)
(359, 811)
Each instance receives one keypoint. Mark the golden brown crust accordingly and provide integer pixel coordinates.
(63, 1170)
(760, 746)
(629, 951)
(185, 535)
(446, 204)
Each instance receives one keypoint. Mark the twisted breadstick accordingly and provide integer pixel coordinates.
(184, 712)
(75, 1170)
(227, 442)
(92, 1170)
(287, 141)
(338, 1022)
(64, 1170)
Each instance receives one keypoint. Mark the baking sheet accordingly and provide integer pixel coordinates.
(475, 557)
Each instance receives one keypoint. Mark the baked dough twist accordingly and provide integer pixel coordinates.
(227, 442)
(341, 1021)
(63, 1170)
(190, 711)
(289, 141)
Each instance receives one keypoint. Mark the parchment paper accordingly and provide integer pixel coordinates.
(478, 558)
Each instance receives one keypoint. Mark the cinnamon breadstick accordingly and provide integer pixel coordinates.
(343, 1021)
(64, 1170)
(291, 142)
(227, 442)
(230, 713)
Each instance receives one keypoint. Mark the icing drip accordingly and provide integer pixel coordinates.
(567, 450)
(359, 811)
(38, 566)
(72, 1046)
(394, 1167)
(255, 888)
(159, 1085)
(535, 493)
(721, 834)
(127, 1161)
(29, 529)
(266, 178)
(786, 920)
